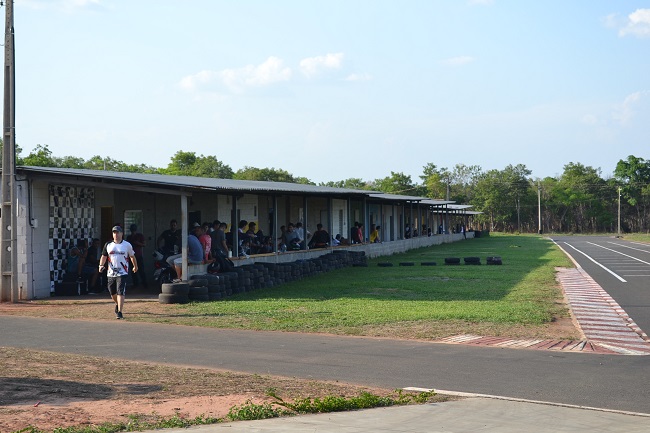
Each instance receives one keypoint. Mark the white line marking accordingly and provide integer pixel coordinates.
(632, 248)
(607, 269)
(618, 252)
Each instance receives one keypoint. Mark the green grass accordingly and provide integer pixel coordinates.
(638, 237)
(359, 301)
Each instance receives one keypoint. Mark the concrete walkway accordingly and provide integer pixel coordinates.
(469, 415)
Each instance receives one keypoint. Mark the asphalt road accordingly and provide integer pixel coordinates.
(621, 268)
(604, 381)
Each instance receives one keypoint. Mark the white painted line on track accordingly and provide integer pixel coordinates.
(627, 246)
(605, 268)
(618, 252)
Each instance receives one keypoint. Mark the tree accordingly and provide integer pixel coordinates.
(350, 183)
(634, 175)
(188, 164)
(41, 156)
(265, 174)
(396, 183)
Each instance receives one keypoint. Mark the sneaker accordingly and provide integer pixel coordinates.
(119, 315)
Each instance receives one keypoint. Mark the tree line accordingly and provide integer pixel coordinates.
(580, 200)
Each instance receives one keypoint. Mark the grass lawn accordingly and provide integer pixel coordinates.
(520, 298)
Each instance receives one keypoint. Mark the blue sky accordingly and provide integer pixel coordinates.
(336, 89)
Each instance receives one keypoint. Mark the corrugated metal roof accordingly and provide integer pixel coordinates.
(222, 185)
(195, 182)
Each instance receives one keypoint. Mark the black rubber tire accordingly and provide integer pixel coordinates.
(452, 260)
(407, 264)
(175, 289)
(198, 282)
(384, 264)
(199, 298)
(428, 263)
(165, 298)
(198, 291)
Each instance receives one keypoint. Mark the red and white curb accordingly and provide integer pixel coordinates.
(606, 326)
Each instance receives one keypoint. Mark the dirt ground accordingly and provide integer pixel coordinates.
(49, 390)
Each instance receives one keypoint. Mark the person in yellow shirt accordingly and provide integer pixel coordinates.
(374, 234)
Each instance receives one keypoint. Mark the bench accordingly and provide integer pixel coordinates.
(196, 269)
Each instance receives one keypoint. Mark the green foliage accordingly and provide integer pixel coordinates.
(365, 400)
(252, 411)
(264, 174)
(188, 164)
(396, 183)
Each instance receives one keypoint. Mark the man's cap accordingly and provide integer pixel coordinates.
(117, 229)
(196, 225)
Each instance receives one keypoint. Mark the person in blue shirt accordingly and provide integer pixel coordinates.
(194, 250)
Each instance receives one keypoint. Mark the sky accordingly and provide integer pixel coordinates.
(337, 89)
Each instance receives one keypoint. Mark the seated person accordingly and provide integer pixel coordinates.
(266, 245)
(291, 239)
(91, 264)
(320, 239)
(254, 238)
(374, 235)
(195, 252)
(73, 263)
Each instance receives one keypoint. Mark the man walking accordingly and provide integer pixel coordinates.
(117, 254)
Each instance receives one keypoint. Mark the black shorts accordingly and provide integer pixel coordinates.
(117, 285)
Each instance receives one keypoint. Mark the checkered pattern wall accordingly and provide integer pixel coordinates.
(72, 217)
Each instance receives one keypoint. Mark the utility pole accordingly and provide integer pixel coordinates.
(8, 250)
(619, 212)
(539, 208)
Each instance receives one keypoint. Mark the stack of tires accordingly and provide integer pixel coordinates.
(174, 293)
(198, 288)
(472, 260)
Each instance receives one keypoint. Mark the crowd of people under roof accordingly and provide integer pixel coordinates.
(210, 242)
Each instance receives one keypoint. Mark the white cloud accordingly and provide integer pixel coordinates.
(624, 112)
(314, 65)
(458, 61)
(637, 24)
(237, 80)
(358, 77)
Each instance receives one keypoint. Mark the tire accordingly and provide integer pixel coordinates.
(175, 289)
(406, 264)
(428, 264)
(472, 260)
(452, 261)
(198, 282)
(199, 298)
(165, 298)
(384, 264)
(198, 291)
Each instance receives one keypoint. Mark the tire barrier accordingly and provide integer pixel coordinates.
(428, 264)
(407, 264)
(256, 276)
(452, 261)
(384, 264)
(494, 260)
(472, 260)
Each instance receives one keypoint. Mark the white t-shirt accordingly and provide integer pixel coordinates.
(118, 258)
